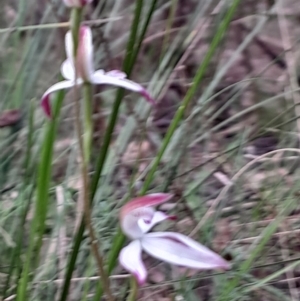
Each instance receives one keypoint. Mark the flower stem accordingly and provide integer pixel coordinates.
(85, 179)
(88, 122)
(133, 290)
(84, 150)
(76, 14)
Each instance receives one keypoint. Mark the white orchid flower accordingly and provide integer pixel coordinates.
(137, 217)
(77, 3)
(85, 70)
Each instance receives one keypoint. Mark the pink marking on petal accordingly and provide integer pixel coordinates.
(140, 280)
(83, 29)
(45, 103)
(149, 200)
(172, 217)
(145, 94)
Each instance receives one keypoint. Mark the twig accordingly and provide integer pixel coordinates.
(78, 279)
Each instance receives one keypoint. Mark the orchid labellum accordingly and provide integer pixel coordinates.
(137, 217)
(77, 3)
(80, 70)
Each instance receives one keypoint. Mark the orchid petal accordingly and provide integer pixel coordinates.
(130, 259)
(136, 223)
(69, 47)
(181, 250)
(67, 70)
(148, 200)
(45, 102)
(137, 217)
(107, 79)
(85, 54)
(117, 74)
(158, 217)
(84, 60)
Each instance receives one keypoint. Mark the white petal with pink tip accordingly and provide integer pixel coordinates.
(181, 250)
(99, 78)
(130, 259)
(66, 84)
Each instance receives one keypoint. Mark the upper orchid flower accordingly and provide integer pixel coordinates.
(137, 217)
(77, 3)
(82, 69)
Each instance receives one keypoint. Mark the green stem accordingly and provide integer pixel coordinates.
(141, 38)
(76, 15)
(42, 197)
(88, 121)
(85, 151)
(85, 144)
(133, 290)
(72, 261)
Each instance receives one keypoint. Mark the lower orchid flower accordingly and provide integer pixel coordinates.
(137, 217)
(80, 70)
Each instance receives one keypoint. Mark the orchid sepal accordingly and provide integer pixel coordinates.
(45, 101)
(181, 250)
(130, 259)
(144, 201)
